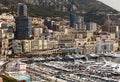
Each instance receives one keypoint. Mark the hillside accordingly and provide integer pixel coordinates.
(93, 10)
(78, 5)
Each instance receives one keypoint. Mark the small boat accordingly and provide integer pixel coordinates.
(108, 54)
(116, 55)
(93, 55)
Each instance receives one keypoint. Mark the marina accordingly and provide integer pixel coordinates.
(59, 41)
(76, 69)
(68, 68)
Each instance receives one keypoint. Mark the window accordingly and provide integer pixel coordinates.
(104, 47)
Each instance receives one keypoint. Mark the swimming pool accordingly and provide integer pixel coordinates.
(27, 78)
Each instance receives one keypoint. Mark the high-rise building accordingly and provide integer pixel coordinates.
(17, 47)
(118, 32)
(104, 47)
(80, 22)
(109, 25)
(90, 26)
(72, 19)
(21, 9)
(37, 32)
(23, 23)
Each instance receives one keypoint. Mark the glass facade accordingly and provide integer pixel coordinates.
(72, 19)
(23, 23)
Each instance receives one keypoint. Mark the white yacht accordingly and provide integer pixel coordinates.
(116, 55)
